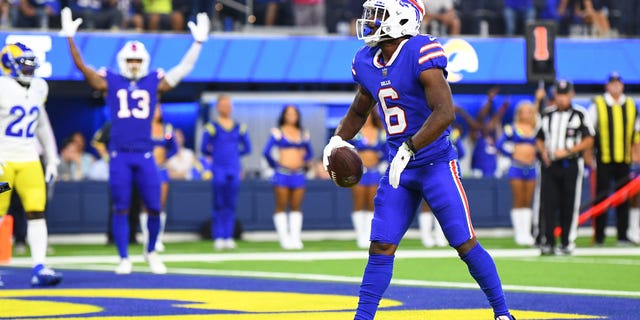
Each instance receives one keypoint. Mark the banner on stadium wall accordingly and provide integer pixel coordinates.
(323, 59)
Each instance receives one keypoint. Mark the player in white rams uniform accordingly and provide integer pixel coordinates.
(404, 73)
(24, 123)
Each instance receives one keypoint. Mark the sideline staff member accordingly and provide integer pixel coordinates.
(566, 131)
(615, 119)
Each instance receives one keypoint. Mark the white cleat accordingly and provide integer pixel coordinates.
(124, 267)
(218, 244)
(428, 242)
(297, 245)
(155, 264)
(230, 244)
(159, 246)
(363, 244)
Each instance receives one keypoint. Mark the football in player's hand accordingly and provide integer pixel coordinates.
(345, 167)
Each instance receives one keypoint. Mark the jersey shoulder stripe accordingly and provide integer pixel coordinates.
(430, 48)
(427, 52)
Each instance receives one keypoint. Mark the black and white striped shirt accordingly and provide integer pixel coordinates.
(564, 129)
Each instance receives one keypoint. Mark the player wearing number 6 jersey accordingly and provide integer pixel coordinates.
(24, 123)
(131, 95)
(404, 73)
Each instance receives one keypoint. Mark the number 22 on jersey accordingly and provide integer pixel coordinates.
(24, 124)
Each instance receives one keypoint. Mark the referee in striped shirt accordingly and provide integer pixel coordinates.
(565, 132)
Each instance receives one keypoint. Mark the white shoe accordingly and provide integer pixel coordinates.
(297, 245)
(428, 242)
(159, 246)
(363, 244)
(155, 264)
(218, 244)
(124, 267)
(230, 244)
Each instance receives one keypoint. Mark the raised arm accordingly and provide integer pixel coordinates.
(69, 28)
(200, 33)
(488, 105)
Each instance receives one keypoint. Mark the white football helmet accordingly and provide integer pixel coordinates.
(389, 19)
(133, 50)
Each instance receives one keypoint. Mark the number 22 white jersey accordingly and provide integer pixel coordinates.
(21, 111)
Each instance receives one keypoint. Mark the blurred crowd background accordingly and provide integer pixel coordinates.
(576, 18)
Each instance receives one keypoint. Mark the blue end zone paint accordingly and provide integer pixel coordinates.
(413, 298)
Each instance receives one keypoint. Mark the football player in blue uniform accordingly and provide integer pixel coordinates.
(226, 141)
(404, 73)
(131, 95)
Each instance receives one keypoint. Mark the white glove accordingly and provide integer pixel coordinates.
(334, 143)
(50, 172)
(398, 164)
(200, 29)
(69, 26)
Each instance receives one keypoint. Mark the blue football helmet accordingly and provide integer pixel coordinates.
(19, 62)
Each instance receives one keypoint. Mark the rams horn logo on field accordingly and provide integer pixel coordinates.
(462, 57)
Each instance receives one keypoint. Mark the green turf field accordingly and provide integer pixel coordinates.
(608, 270)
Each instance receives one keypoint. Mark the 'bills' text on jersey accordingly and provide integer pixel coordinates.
(401, 98)
(132, 104)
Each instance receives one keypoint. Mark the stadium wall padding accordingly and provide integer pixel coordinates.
(83, 207)
(326, 59)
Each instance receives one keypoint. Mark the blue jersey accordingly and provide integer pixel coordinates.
(131, 105)
(400, 95)
(226, 146)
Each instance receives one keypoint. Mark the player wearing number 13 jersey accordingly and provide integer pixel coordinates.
(131, 95)
(404, 73)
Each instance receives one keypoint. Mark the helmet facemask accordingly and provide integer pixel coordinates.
(389, 19)
(133, 60)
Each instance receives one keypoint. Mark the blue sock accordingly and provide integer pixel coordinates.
(120, 231)
(375, 281)
(483, 270)
(153, 225)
